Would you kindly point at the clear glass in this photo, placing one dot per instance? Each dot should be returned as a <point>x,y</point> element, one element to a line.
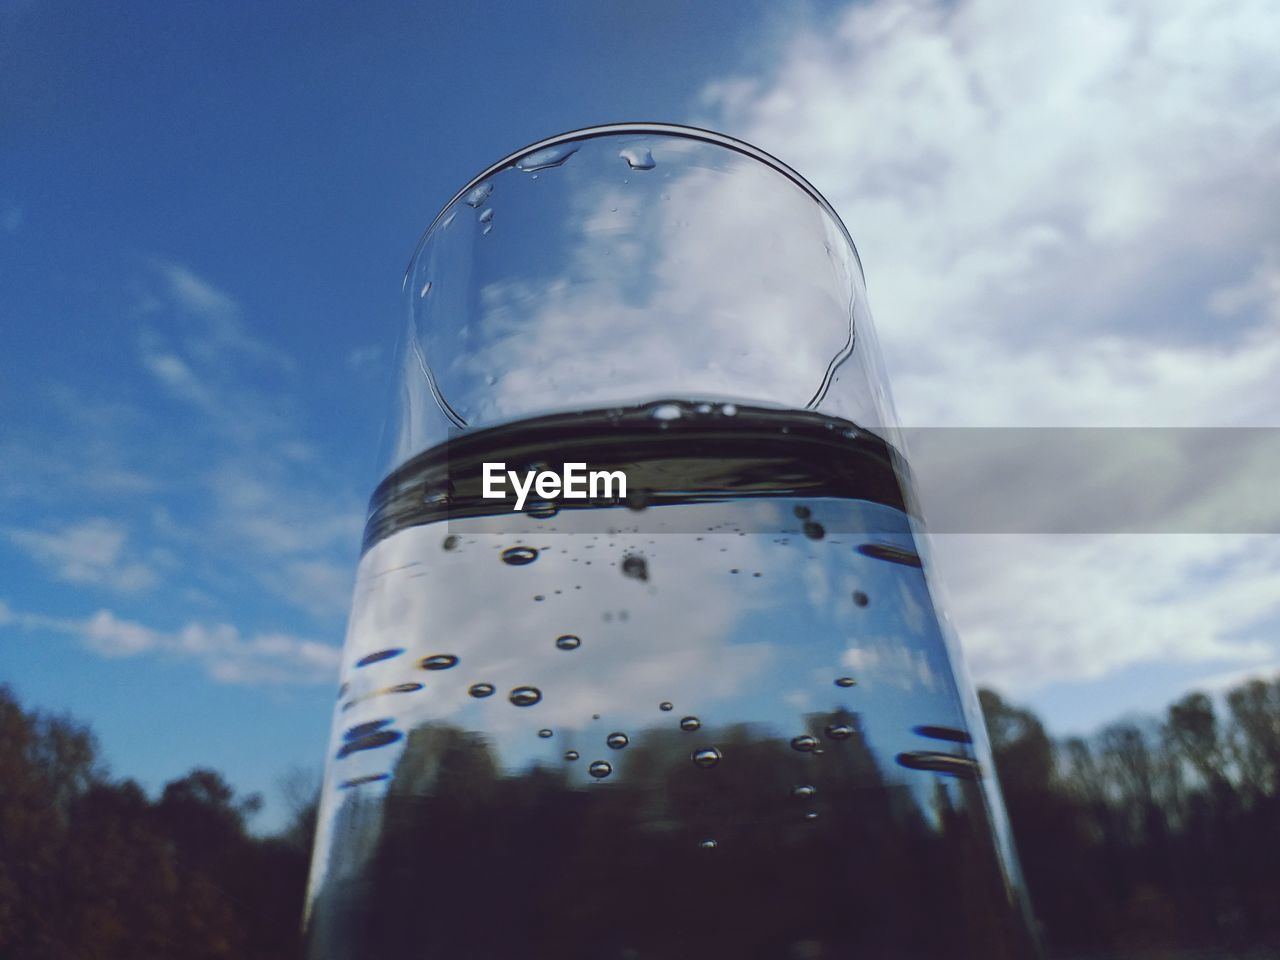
<point>718,716</point>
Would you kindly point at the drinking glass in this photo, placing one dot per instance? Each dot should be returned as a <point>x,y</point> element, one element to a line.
<point>715,713</point>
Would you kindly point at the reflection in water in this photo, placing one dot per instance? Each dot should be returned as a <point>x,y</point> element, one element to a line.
<point>783,811</point>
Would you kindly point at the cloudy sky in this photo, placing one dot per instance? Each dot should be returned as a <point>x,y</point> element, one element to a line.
<point>1066,214</point>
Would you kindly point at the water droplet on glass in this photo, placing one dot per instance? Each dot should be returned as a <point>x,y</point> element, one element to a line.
<point>546,158</point>
<point>426,288</point>
<point>666,411</point>
<point>813,530</point>
<point>568,642</point>
<point>729,410</point>
<point>964,767</point>
<point>804,743</point>
<point>479,194</point>
<point>595,716</point>
<point>519,556</point>
<point>638,158</point>
<point>380,655</point>
<point>707,845</point>
<point>538,597</point>
<point>666,706</point>
<point>600,769</point>
<point>892,553</point>
<point>481,690</point>
<point>439,661</point>
<point>690,724</point>
<point>635,567</point>
<point>571,755</point>
<point>803,791</point>
<point>450,542</point>
<point>525,696</point>
<point>617,741</point>
<point>846,682</point>
<point>486,215</point>
<point>706,758</point>
<point>860,599</point>
<point>802,513</point>
<point>838,731</point>
<point>545,734</point>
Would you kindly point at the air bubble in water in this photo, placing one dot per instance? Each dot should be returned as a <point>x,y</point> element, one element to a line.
<point>479,194</point>
<point>426,288</point>
<point>846,682</point>
<point>438,491</point>
<point>811,815</point>
<point>804,791</point>
<point>729,410</point>
<point>617,741</point>
<point>571,755</point>
<point>804,743</point>
<point>838,731</point>
<point>450,542</point>
<point>546,158</point>
<point>600,769</point>
<point>860,599</point>
<point>891,552</point>
<point>690,724</point>
<point>635,566</point>
<point>964,767</point>
<point>639,498</point>
<point>706,758</point>
<point>481,690</point>
<point>371,742</point>
<point>542,510</point>
<point>439,661</point>
<point>519,556</point>
<point>364,729</point>
<point>943,733</point>
<point>638,158</point>
<point>813,530</point>
<point>666,411</point>
<point>708,845</point>
<point>545,734</point>
<point>802,513</point>
<point>666,706</point>
<point>378,656</point>
<point>568,642</point>
<point>525,696</point>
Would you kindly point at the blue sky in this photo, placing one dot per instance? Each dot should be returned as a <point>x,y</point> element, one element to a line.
<point>1066,218</point>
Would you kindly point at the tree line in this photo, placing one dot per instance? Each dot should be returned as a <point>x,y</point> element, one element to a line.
<point>1154,833</point>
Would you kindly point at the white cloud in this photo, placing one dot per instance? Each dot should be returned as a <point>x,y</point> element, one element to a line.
<point>93,552</point>
<point>217,328</point>
<point>1067,218</point>
<point>1034,610</point>
<point>1046,200</point>
<point>224,653</point>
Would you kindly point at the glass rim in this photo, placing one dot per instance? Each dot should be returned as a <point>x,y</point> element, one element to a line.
<point>640,129</point>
